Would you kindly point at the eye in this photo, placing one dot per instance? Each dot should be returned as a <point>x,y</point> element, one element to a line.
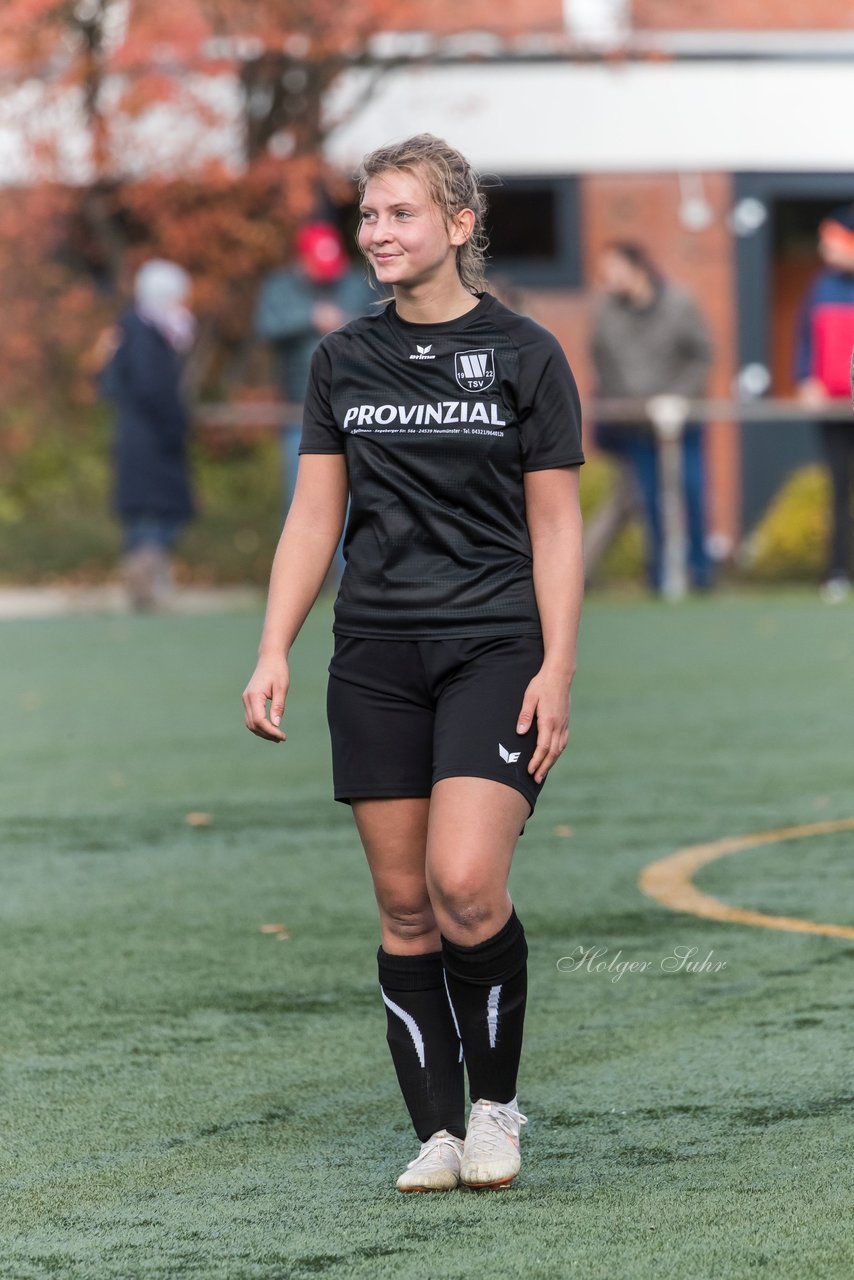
<point>403,213</point>
<point>368,215</point>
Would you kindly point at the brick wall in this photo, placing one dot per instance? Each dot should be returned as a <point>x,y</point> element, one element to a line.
<point>508,17</point>
<point>742,15</point>
<point>518,16</point>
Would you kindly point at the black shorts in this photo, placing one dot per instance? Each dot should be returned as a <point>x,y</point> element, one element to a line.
<point>405,713</point>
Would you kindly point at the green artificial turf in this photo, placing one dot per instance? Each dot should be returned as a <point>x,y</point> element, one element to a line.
<point>185,1095</point>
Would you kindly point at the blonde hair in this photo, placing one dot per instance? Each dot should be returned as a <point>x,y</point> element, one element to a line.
<point>452,185</point>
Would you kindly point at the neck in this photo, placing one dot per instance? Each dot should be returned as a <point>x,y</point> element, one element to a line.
<point>432,304</point>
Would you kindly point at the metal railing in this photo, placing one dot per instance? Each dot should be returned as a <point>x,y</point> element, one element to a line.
<point>667,415</point>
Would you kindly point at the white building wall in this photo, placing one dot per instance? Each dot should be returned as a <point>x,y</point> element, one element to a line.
<point>574,118</point>
<point>510,118</point>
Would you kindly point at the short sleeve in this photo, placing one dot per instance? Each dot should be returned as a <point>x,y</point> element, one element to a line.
<point>320,433</point>
<point>549,407</point>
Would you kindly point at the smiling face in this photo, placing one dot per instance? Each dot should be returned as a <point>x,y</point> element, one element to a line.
<point>404,234</point>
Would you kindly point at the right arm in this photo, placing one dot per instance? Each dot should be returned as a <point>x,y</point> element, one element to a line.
<point>300,565</point>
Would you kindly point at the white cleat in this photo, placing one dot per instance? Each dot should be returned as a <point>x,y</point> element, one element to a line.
<point>491,1154</point>
<point>437,1165</point>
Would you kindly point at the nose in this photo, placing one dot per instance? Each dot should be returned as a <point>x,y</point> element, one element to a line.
<point>381,230</point>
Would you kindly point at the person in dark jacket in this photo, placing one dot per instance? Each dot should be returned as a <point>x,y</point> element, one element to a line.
<point>152,493</point>
<point>822,370</point>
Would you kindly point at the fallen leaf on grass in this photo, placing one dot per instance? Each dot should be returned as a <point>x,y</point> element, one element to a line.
<point>196,819</point>
<point>278,929</point>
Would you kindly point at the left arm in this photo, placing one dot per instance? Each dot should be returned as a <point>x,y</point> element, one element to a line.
<point>554,525</point>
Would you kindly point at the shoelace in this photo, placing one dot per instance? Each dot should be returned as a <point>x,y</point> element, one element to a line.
<point>505,1118</point>
<point>433,1145</point>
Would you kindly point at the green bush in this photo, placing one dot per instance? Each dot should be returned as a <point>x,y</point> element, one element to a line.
<point>56,523</point>
<point>624,560</point>
<point>790,542</point>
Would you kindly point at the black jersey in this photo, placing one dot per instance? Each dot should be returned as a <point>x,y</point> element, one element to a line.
<point>438,423</point>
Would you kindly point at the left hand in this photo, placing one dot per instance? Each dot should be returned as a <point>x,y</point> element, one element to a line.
<point>547,696</point>
<point>811,392</point>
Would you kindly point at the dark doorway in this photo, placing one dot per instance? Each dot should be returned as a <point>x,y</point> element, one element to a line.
<point>776,260</point>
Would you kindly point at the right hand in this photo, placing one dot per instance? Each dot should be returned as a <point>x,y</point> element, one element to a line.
<point>269,683</point>
<point>102,351</point>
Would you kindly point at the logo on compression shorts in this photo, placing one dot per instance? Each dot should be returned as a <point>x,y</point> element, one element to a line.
<point>475,370</point>
<point>423,353</point>
<point>509,757</point>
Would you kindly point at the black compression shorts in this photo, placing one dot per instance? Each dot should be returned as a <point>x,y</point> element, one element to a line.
<point>404,714</point>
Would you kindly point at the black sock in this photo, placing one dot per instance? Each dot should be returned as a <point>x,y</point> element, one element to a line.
<point>488,987</point>
<point>425,1046</point>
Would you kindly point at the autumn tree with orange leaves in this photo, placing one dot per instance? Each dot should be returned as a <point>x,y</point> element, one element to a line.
<point>191,130</point>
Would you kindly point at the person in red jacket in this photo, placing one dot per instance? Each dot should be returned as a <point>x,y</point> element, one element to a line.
<point>823,371</point>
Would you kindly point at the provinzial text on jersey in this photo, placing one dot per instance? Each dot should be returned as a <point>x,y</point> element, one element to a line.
<point>442,411</point>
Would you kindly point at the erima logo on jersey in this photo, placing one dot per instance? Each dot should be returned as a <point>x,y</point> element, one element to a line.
<point>475,370</point>
<point>423,353</point>
<point>509,757</point>
<point>444,412</point>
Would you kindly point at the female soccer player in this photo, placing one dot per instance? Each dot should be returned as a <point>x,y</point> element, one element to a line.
<point>454,426</point>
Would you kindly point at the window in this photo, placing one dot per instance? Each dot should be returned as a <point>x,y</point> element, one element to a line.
<point>534,231</point>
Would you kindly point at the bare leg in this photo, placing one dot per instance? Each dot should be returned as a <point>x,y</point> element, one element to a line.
<point>473,828</point>
<point>421,1033</point>
<point>474,824</point>
<point>394,836</point>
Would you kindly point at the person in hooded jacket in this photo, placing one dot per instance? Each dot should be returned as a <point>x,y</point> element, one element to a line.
<point>152,490</point>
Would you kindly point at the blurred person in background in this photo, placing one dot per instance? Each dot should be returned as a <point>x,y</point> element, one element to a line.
<point>825,340</point>
<point>297,306</point>
<point>649,339</point>
<point>152,494</point>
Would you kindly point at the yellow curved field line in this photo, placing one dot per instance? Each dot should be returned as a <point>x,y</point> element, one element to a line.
<point>669,880</point>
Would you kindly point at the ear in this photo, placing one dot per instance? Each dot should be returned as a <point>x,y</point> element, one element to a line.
<point>462,225</point>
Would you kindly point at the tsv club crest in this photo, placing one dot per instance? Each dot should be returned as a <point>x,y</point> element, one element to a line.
<point>475,370</point>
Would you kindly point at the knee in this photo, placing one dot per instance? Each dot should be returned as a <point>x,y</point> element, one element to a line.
<point>407,920</point>
<point>465,907</point>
